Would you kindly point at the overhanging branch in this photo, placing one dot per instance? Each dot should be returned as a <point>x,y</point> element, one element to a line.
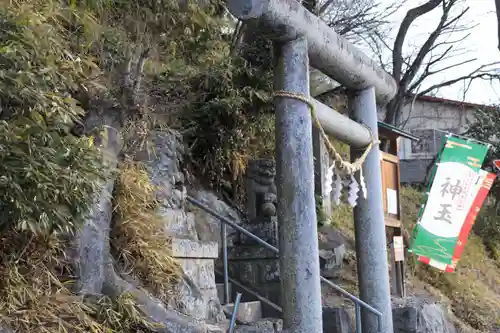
<point>412,15</point>
<point>479,73</point>
<point>431,40</point>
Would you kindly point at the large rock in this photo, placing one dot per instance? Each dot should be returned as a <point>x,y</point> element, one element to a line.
<point>208,227</point>
<point>163,158</point>
<point>421,316</point>
<point>197,297</point>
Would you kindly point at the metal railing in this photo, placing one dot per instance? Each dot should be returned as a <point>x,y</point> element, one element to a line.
<point>225,222</point>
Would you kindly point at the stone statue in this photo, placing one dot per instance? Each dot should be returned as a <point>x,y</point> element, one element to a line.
<point>261,189</point>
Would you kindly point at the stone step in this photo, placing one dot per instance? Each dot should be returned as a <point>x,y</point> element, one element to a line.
<point>220,292</point>
<point>248,312</point>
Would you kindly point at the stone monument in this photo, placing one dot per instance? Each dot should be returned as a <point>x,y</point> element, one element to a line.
<point>250,262</point>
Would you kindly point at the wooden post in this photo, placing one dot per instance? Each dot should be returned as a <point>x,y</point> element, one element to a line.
<point>321,165</point>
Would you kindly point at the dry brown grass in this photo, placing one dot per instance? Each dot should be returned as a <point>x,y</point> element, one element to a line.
<point>138,235</point>
<point>36,276</point>
<point>35,292</point>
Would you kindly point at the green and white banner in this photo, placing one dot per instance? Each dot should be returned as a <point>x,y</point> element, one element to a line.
<point>449,198</point>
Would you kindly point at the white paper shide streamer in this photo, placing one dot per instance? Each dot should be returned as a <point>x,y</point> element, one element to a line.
<point>337,190</point>
<point>352,199</point>
<point>335,181</point>
<point>329,180</point>
<point>364,192</point>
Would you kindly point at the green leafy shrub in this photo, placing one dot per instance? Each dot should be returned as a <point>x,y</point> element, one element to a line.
<point>47,175</point>
<point>486,128</point>
<point>487,226</point>
<point>228,118</point>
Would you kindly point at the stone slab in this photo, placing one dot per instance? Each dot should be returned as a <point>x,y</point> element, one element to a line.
<point>248,312</point>
<point>265,230</point>
<point>178,223</point>
<point>187,248</point>
<point>200,271</point>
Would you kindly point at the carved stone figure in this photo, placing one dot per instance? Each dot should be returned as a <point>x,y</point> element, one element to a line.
<point>261,201</point>
<point>261,189</point>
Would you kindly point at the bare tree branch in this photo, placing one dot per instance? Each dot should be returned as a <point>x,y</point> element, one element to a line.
<point>410,17</point>
<point>356,19</point>
<point>428,72</point>
<point>431,40</point>
<point>481,73</point>
<point>497,5</point>
<point>440,47</point>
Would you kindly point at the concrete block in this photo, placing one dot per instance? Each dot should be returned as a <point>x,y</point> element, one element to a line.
<point>187,248</point>
<point>405,319</point>
<point>248,312</point>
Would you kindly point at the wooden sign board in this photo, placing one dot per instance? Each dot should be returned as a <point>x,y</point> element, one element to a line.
<point>391,189</point>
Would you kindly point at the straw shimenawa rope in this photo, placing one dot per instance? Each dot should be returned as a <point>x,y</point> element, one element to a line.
<point>349,168</point>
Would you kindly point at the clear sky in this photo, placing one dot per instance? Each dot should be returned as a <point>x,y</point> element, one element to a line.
<point>481,44</point>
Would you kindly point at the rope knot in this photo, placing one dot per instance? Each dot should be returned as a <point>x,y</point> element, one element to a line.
<point>344,166</point>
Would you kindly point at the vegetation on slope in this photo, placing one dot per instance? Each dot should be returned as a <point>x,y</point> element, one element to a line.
<point>62,62</point>
<point>58,62</point>
<point>472,291</point>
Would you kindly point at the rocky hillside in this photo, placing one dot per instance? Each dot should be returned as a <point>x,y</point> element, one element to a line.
<point>87,89</point>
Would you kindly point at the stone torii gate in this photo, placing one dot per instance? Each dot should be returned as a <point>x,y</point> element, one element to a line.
<point>303,39</point>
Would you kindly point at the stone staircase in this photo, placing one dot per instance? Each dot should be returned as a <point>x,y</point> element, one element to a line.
<point>201,296</point>
<point>256,313</point>
<point>253,272</point>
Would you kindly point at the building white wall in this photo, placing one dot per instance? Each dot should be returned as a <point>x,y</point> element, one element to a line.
<point>430,121</point>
